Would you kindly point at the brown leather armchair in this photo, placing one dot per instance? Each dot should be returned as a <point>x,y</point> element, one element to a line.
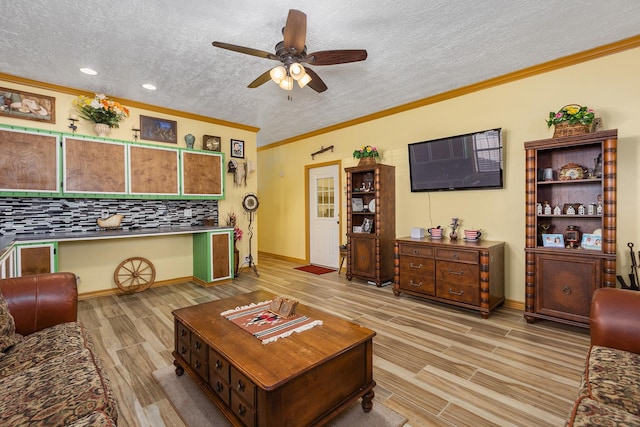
<point>40,301</point>
<point>615,319</point>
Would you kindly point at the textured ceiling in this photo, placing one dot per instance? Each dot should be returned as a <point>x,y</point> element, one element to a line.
<point>417,48</point>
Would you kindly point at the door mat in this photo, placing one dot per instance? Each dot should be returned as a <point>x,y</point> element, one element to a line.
<point>315,269</point>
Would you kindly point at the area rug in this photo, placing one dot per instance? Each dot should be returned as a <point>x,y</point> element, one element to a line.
<point>315,269</point>
<point>196,410</point>
<point>265,325</point>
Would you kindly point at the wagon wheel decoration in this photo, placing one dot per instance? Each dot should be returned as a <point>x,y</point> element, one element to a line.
<point>134,274</point>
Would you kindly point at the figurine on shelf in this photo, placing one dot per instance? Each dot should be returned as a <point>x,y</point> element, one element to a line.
<point>454,226</point>
<point>557,210</point>
<point>547,208</point>
<point>539,208</point>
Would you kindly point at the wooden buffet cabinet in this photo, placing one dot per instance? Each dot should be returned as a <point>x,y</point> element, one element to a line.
<point>465,274</point>
<point>560,281</point>
<point>371,222</point>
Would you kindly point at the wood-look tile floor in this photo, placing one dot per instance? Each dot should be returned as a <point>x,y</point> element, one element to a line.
<point>437,365</point>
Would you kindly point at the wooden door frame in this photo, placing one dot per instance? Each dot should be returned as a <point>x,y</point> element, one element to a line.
<point>307,201</point>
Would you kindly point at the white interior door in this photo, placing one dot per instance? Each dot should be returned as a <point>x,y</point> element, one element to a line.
<point>324,230</point>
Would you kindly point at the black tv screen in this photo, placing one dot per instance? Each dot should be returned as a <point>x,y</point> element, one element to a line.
<point>463,162</point>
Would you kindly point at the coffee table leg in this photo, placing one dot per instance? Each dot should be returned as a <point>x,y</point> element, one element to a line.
<point>367,401</point>
<point>180,369</point>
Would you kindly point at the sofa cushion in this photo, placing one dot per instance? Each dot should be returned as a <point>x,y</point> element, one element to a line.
<point>8,336</point>
<point>589,412</point>
<point>59,391</point>
<point>44,345</point>
<point>612,377</point>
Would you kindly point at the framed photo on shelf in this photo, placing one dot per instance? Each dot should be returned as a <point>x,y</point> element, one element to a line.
<point>357,204</point>
<point>211,143</point>
<point>237,148</point>
<point>27,106</point>
<point>160,130</point>
<point>591,241</point>
<point>553,241</point>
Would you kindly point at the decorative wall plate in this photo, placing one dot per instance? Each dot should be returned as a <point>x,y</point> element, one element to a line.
<point>571,171</point>
<point>372,205</point>
<point>250,202</point>
<point>357,205</point>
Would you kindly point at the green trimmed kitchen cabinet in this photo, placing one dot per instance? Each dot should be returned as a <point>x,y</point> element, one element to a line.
<point>213,256</point>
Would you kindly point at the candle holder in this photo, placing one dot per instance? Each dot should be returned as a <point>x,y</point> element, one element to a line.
<point>72,125</point>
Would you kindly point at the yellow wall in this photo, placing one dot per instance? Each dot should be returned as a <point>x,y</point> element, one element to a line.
<point>96,261</point>
<point>608,84</point>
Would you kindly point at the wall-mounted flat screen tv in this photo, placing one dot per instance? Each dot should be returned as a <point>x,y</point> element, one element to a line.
<point>465,162</point>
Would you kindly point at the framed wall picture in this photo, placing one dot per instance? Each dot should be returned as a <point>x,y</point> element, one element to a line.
<point>211,143</point>
<point>237,148</point>
<point>27,105</point>
<point>591,241</point>
<point>161,130</point>
<point>553,241</point>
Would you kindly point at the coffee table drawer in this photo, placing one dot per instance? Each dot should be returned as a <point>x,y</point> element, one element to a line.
<point>198,348</point>
<point>241,385</point>
<point>221,387</point>
<point>200,366</point>
<point>246,413</point>
<point>218,365</point>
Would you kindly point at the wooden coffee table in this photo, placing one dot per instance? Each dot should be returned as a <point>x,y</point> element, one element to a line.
<point>301,380</point>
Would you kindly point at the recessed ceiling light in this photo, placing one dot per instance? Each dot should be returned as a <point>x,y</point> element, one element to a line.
<point>88,71</point>
<point>149,86</point>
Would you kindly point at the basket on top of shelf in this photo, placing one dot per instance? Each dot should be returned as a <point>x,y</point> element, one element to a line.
<point>572,119</point>
<point>366,155</point>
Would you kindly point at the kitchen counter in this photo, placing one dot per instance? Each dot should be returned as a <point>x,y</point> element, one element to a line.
<point>7,242</point>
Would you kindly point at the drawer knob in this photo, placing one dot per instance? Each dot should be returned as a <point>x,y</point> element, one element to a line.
<point>452,292</point>
<point>455,256</point>
<point>416,252</point>
<point>218,365</point>
<point>183,350</point>
<point>363,257</point>
<point>240,385</point>
<point>198,345</point>
<point>219,387</point>
<point>566,290</point>
<point>242,410</point>
<point>184,333</point>
<point>198,364</point>
<point>459,273</point>
<point>412,265</point>
<point>412,283</point>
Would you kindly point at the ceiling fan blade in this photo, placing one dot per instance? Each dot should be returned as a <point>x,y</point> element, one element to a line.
<point>246,50</point>
<point>330,57</point>
<point>262,79</point>
<point>295,31</point>
<point>316,82</point>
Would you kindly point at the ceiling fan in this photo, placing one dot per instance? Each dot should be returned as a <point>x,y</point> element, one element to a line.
<point>292,53</point>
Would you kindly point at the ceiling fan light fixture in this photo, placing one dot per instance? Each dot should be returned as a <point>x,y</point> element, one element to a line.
<point>304,80</point>
<point>297,71</point>
<point>287,83</point>
<point>278,74</point>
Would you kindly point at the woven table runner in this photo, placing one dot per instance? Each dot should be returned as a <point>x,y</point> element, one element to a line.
<point>266,326</point>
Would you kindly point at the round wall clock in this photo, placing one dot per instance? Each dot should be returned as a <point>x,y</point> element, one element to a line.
<point>250,202</point>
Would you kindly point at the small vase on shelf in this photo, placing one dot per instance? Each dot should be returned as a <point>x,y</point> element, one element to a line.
<point>190,140</point>
<point>102,129</point>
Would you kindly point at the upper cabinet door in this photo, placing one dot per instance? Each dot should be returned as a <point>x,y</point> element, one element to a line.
<point>202,174</point>
<point>153,171</point>
<point>94,167</point>
<point>29,162</point>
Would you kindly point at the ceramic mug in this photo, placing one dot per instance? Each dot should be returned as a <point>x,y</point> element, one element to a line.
<point>435,231</point>
<point>472,234</point>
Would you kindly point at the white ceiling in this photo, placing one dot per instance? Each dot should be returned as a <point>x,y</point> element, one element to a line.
<point>417,48</point>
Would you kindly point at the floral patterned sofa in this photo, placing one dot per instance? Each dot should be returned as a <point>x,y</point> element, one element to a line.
<point>49,372</point>
<point>609,394</point>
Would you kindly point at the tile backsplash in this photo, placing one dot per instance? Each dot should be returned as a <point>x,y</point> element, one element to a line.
<point>24,215</point>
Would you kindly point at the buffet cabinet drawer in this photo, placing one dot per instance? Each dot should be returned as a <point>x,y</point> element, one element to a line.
<point>417,275</point>
<point>456,272</point>
<point>183,342</point>
<point>457,255</point>
<point>416,250</point>
<point>460,292</point>
<point>220,387</point>
<point>200,366</point>
<point>218,365</point>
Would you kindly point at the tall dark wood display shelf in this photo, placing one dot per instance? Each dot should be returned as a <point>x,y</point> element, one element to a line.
<point>371,212</point>
<point>560,281</point>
